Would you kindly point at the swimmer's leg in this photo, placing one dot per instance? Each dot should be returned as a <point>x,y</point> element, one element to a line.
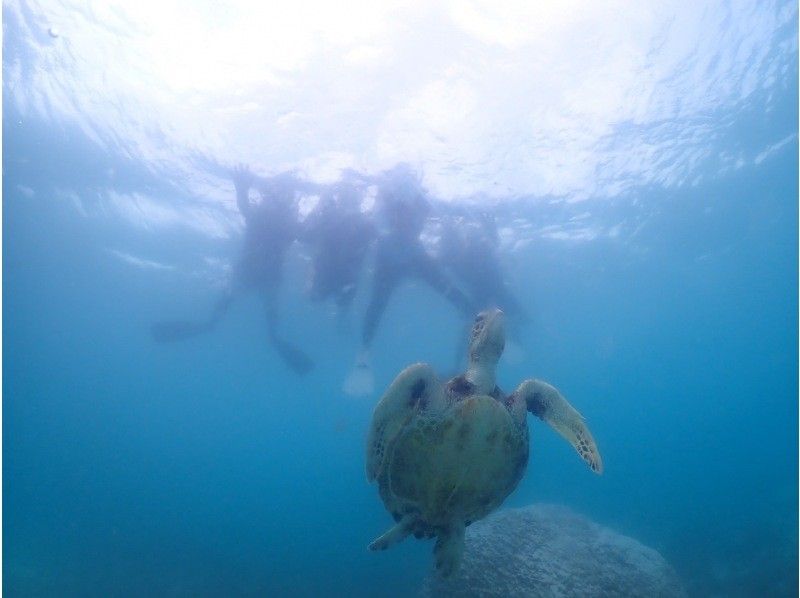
<point>428,270</point>
<point>176,330</point>
<point>344,300</point>
<point>360,381</point>
<point>294,357</point>
<point>383,286</point>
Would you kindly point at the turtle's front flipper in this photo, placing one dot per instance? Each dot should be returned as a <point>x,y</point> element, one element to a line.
<point>449,549</point>
<point>416,388</point>
<point>546,403</point>
<point>396,534</point>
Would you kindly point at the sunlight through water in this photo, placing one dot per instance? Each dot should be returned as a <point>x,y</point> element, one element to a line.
<point>567,100</point>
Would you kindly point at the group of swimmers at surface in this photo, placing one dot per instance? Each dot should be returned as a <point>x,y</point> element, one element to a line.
<point>340,235</point>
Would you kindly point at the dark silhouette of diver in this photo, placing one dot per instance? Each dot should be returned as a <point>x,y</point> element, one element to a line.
<point>468,250</point>
<point>340,235</point>
<point>399,255</point>
<point>271,226</point>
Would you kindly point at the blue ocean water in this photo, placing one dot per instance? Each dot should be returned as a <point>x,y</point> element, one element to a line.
<point>662,287</point>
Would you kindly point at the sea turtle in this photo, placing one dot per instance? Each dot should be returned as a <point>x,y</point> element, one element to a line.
<point>445,456</point>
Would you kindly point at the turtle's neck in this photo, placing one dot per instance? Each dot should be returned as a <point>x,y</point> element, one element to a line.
<point>482,375</point>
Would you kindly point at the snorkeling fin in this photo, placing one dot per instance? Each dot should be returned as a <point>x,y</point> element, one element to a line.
<point>297,360</point>
<point>360,381</point>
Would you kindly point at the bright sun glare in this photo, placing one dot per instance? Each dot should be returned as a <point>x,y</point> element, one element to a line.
<point>572,100</point>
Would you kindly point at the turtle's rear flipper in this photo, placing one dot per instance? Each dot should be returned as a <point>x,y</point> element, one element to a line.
<point>396,534</point>
<point>177,330</point>
<point>546,403</point>
<point>449,549</point>
<point>297,360</point>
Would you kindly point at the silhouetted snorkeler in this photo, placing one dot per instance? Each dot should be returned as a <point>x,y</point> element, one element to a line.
<point>271,226</point>
<point>400,255</point>
<point>468,249</point>
<point>340,235</point>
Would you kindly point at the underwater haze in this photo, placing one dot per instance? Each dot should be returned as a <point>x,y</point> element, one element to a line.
<point>640,161</point>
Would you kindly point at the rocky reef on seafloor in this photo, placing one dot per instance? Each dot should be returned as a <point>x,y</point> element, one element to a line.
<point>550,551</point>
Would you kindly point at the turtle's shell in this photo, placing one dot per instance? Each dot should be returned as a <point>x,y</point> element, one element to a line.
<point>457,464</point>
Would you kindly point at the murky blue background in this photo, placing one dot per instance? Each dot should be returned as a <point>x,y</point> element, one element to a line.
<point>651,231</point>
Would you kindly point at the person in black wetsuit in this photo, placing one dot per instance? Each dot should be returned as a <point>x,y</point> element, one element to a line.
<point>400,255</point>
<point>468,250</point>
<point>340,235</point>
<point>271,226</point>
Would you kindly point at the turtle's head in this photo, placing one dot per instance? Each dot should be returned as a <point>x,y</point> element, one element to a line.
<point>486,343</point>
